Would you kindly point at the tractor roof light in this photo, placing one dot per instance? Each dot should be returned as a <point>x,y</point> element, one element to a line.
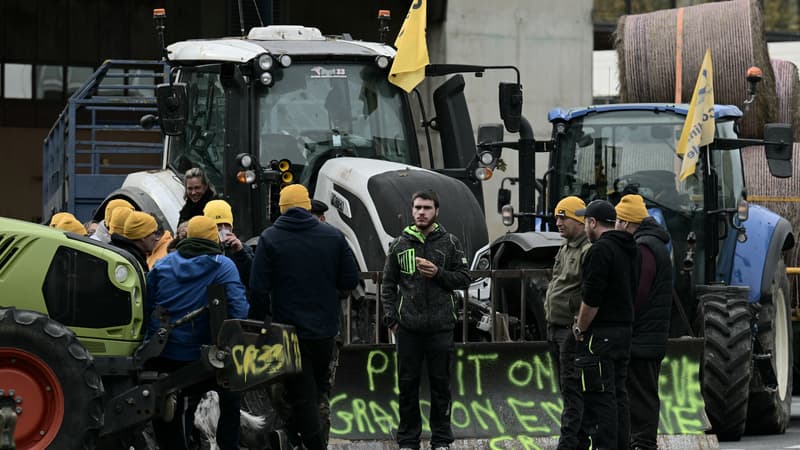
<point>265,62</point>
<point>483,173</point>
<point>507,214</point>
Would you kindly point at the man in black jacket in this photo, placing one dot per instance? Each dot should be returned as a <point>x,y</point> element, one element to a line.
<point>425,264</point>
<point>298,268</point>
<point>651,325</point>
<point>603,327</point>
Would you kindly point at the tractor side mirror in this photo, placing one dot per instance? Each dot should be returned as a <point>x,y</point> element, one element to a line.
<point>511,105</point>
<point>778,149</point>
<point>173,107</point>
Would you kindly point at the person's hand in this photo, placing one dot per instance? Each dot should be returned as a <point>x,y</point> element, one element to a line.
<point>426,268</point>
<point>233,242</point>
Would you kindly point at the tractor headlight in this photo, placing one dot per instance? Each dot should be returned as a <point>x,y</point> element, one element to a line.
<point>121,274</point>
<point>507,213</point>
<point>245,160</point>
<point>743,210</point>
<point>487,158</point>
<point>266,78</point>
<point>265,62</point>
<point>285,60</point>
<point>483,173</point>
<point>382,62</point>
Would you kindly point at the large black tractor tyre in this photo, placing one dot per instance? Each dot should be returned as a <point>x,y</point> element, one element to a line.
<point>726,367</point>
<point>56,386</point>
<point>769,410</point>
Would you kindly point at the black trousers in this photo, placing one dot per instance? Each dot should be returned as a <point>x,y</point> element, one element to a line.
<point>178,433</point>
<point>602,359</point>
<point>643,394</point>
<point>305,390</point>
<point>435,350</point>
<point>562,347</point>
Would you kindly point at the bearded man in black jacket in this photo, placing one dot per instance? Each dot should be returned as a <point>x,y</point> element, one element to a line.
<point>603,327</point>
<point>651,324</point>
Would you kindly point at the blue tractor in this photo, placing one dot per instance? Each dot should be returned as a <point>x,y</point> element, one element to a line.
<point>731,285</point>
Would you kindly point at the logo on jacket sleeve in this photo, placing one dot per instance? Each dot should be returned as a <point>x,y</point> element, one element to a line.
<point>407,261</point>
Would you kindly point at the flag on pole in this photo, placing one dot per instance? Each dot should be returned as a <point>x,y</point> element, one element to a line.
<point>408,68</point>
<point>698,129</point>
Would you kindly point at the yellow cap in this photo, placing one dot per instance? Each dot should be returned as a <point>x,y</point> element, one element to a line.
<point>116,225</point>
<point>219,211</point>
<point>202,227</point>
<point>114,204</point>
<point>631,209</point>
<point>139,225</point>
<point>67,222</point>
<point>293,196</point>
<point>567,207</point>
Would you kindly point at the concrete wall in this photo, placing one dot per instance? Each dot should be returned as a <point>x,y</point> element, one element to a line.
<point>551,44</point>
<point>21,183</point>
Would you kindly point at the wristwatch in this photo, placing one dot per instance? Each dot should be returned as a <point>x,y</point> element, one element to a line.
<point>576,330</point>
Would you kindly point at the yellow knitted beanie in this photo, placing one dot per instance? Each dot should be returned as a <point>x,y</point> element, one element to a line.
<point>631,209</point>
<point>139,225</point>
<point>294,195</point>
<point>219,211</point>
<point>567,207</point>
<point>203,228</point>
<point>114,204</point>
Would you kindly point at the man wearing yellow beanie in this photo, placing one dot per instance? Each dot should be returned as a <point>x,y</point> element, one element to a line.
<point>116,224</point>
<point>179,283</point>
<point>103,233</point>
<point>561,304</point>
<point>67,222</point>
<point>221,213</point>
<point>298,266</point>
<point>139,235</point>
<point>652,305</point>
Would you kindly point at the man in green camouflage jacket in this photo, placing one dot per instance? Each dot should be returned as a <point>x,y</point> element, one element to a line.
<point>425,264</point>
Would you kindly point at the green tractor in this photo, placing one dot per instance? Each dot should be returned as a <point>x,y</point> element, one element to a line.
<point>72,347</point>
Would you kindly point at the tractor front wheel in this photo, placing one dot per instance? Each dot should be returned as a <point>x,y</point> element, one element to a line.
<point>771,386</point>
<point>51,378</point>
<point>727,358</point>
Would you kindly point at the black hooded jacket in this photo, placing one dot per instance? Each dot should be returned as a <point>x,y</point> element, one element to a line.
<point>191,209</point>
<point>120,241</point>
<point>651,326</point>
<point>610,276</point>
<point>298,266</point>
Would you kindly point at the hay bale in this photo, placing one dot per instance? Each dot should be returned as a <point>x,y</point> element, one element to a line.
<point>787,88</point>
<point>646,47</point>
<point>781,195</point>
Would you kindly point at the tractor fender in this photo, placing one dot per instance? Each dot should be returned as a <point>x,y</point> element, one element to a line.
<point>768,235</point>
<point>534,244</point>
<point>156,192</point>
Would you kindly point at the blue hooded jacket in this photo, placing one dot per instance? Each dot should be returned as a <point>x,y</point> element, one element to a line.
<point>298,267</point>
<point>180,285</point>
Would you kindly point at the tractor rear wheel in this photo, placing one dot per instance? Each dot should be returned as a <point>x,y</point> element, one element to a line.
<point>771,387</point>
<point>726,367</point>
<point>57,390</point>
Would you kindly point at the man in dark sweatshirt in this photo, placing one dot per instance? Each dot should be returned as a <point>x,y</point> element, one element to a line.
<point>651,307</point>
<point>603,326</point>
<point>298,268</point>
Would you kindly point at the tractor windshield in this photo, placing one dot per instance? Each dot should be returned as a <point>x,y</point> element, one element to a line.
<point>614,153</point>
<point>315,112</point>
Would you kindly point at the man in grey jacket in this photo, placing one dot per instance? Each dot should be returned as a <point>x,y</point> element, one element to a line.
<point>425,264</point>
<point>561,304</point>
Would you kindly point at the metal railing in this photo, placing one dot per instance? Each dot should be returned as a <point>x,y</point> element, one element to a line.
<point>467,303</point>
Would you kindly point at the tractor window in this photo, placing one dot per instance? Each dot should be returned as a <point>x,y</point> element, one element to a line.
<point>203,143</point>
<point>78,292</point>
<point>612,154</point>
<point>728,166</point>
<point>315,112</point>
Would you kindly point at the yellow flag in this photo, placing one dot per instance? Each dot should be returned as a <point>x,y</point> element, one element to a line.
<point>698,129</point>
<point>408,68</point>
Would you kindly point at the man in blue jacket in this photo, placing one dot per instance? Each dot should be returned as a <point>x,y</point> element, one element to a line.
<point>179,283</point>
<point>298,266</point>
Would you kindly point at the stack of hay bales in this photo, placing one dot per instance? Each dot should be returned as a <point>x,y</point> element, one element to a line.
<point>646,47</point>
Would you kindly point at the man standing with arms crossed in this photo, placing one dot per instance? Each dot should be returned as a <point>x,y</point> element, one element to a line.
<point>603,327</point>
<point>651,307</point>
<point>561,307</point>
<point>425,264</point>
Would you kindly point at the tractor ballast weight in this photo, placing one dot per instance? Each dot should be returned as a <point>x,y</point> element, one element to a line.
<point>731,285</point>
<point>72,347</point>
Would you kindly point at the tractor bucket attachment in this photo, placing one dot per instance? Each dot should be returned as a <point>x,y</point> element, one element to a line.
<point>257,355</point>
<point>501,391</point>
